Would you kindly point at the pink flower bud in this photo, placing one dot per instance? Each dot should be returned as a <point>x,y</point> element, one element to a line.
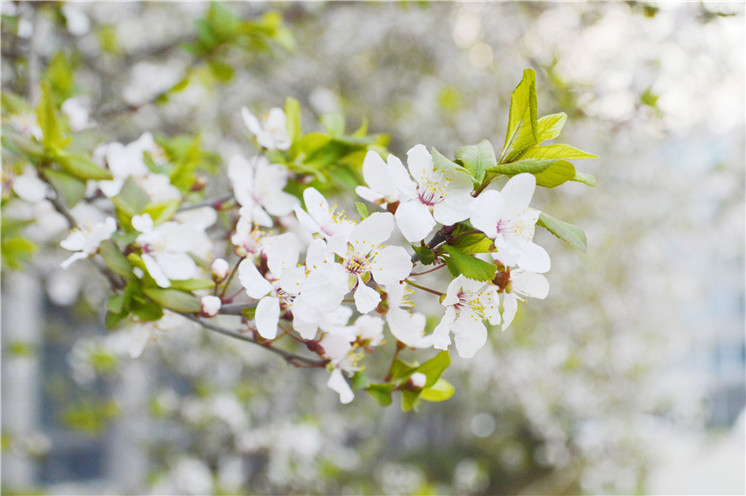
<point>211,305</point>
<point>418,380</point>
<point>220,269</point>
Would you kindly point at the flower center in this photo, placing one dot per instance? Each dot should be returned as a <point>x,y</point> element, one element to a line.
<point>357,264</point>
<point>433,189</point>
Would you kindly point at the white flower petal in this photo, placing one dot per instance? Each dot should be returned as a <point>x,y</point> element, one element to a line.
<point>391,265</point>
<point>376,175</point>
<point>530,284</point>
<point>442,333</point>
<point>176,266</point>
<point>339,385</point>
<point>250,121</point>
<point>414,220</point>
<point>317,206</point>
<point>256,286</point>
<point>406,188</point>
<point>470,334</point>
<point>368,194</point>
<point>420,163</point>
<point>454,208</point>
<point>267,317</point>
<point>282,253</point>
<point>490,301</point>
<point>518,192</point>
<point>29,187</point>
<point>510,307</point>
<point>78,255</point>
<point>530,256</point>
<point>366,298</point>
<point>372,231</point>
<point>143,223</point>
<point>486,211</point>
<point>155,271</point>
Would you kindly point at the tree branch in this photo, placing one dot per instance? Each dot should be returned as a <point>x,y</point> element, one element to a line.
<point>290,357</point>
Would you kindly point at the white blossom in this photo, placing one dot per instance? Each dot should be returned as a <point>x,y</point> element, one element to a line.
<point>271,132</point>
<point>468,303</point>
<point>435,195</point>
<point>258,187</point>
<point>85,240</point>
<point>505,217</point>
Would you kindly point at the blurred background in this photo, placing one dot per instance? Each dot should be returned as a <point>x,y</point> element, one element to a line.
<point>627,379</point>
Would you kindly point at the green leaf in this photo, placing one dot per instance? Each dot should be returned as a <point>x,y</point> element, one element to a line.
<point>115,303</point>
<point>440,162</point>
<point>193,284</point>
<point>162,211</point>
<point>173,299</point>
<point>334,124</point>
<point>459,262</point>
<point>362,210</point>
<point>381,393</point>
<point>523,117</point>
<point>292,114</point>
<point>114,259</point>
<point>147,311</point>
<point>477,159</point>
<point>434,367</point>
<point>48,119</point>
<point>425,254</point>
<point>222,71</point>
<point>223,22</point>
<point>440,391</point>
<point>81,167</point>
<point>475,243</point>
<point>410,399</point>
<point>555,151</point>
<point>402,370</point>
<point>248,313</point>
<point>114,318</point>
<point>548,173</point>
<point>584,178</point>
<point>71,188</point>
<point>566,232</point>
<point>16,251</point>
<point>131,199</point>
<point>359,380</point>
<point>22,146</point>
<point>550,126</point>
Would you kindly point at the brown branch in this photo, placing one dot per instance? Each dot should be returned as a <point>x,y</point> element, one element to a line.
<point>290,357</point>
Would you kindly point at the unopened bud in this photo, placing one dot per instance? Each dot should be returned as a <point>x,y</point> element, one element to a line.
<point>220,269</point>
<point>211,305</point>
<point>418,380</point>
<point>240,251</point>
<point>199,183</point>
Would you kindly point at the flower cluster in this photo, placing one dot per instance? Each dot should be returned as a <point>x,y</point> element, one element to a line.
<point>296,268</point>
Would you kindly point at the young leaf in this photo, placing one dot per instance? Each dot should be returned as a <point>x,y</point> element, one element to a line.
<point>362,210</point>
<point>192,284</point>
<point>459,262</point>
<point>114,259</point>
<point>147,311</point>
<point>550,126</point>
<point>442,163</point>
<point>292,114</point>
<point>359,380</point>
<point>555,151</point>
<point>131,199</point>
<point>434,367</point>
<point>410,399</point>
<point>81,167</point>
<point>523,117</point>
<point>584,178</point>
<point>440,391</point>
<point>174,299</point>
<point>381,393</point>
<point>334,124</point>
<point>549,173</point>
<point>162,211</point>
<point>425,254</point>
<point>477,159</point>
<point>566,232</point>
<point>475,243</point>
<point>48,119</point>
<point>71,188</point>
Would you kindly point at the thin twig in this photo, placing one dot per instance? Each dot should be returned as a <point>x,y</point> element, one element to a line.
<point>427,271</point>
<point>423,288</point>
<point>288,356</point>
<point>207,203</point>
